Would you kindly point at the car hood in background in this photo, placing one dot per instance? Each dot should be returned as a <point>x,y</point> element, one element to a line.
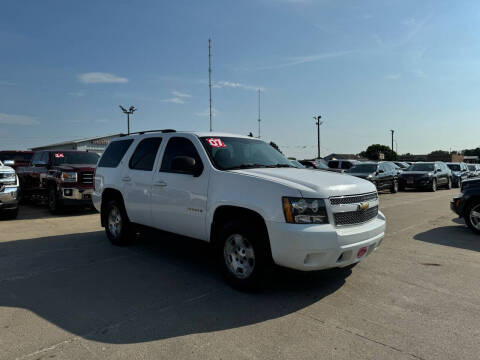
<point>76,167</point>
<point>321,184</point>
<point>6,169</point>
<point>361,175</point>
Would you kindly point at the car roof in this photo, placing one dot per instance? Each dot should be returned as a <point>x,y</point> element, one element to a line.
<point>176,133</point>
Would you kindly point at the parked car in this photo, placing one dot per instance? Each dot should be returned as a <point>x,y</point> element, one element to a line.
<point>402,165</point>
<point>15,158</point>
<point>467,204</point>
<point>459,173</point>
<point>241,195</point>
<point>297,164</point>
<point>383,174</point>
<point>426,175</point>
<point>62,178</point>
<point>473,170</point>
<point>8,192</point>
<point>317,165</point>
<point>343,164</point>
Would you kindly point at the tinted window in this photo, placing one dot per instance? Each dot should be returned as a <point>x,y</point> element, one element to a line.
<point>178,146</point>
<point>422,167</point>
<point>346,165</point>
<point>471,167</point>
<point>25,157</point>
<point>37,156</point>
<point>145,153</point>
<point>333,164</point>
<point>73,157</point>
<point>363,168</point>
<point>114,153</point>
<point>44,157</point>
<point>454,167</point>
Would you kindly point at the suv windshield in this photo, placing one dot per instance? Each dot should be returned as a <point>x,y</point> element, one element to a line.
<point>472,167</point>
<point>421,167</point>
<point>363,168</point>
<point>23,157</point>
<point>229,153</point>
<point>454,167</point>
<point>86,158</point>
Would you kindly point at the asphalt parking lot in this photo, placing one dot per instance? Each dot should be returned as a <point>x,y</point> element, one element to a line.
<point>66,293</point>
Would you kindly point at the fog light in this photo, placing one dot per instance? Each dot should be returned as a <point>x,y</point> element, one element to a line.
<point>362,252</point>
<point>67,192</point>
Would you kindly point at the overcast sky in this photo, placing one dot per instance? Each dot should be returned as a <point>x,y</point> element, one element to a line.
<point>365,66</point>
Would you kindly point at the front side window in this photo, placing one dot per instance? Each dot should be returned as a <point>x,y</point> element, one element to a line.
<point>114,153</point>
<point>363,169</point>
<point>70,157</point>
<point>333,164</point>
<point>346,165</point>
<point>144,156</point>
<point>454,167</point>
<point>230,153</point>
<point>178,146</point>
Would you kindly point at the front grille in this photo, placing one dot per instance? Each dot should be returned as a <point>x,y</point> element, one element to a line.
<point>87,178</point>
<point>6,175</point>
<point>353,199</point>
<point>355,217</point>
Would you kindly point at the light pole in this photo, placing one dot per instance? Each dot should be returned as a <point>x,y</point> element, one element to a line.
<point>318,122</point>
<point>129,112</point>
<point>392,131</point>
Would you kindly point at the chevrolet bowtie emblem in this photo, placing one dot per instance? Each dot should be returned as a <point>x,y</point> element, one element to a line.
<point>363,206</point>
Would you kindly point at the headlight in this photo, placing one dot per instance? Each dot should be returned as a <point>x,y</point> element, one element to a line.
<point>304,211</point>
<point>69,176</point>
<point>8,178</point>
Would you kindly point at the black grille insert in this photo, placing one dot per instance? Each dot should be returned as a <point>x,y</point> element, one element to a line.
<point>353,199</point>
<point>355,217</point>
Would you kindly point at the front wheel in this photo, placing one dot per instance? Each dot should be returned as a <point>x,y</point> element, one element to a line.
<point>449,184</point>
<point>434,185</point>
<point>54,203</point>
<point>244,255</point>
<point>472,216</point>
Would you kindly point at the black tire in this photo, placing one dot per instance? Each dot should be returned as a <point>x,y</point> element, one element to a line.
<point>54,203</point>
<point>474,205</point>
<point>255,240</point>
<point>118,228</point>
<point>401,187</point>
<point>394,188</point>
<point>433,188</point>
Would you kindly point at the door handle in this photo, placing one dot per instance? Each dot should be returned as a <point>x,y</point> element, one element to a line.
<point>160,183</point>
<point>126,178</point>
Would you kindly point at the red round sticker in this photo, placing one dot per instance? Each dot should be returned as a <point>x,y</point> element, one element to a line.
<point>217,143</point>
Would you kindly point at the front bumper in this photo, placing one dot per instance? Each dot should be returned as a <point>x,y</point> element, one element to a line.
<point>75,195</point>
<point>8,198</point>
<point>315,247</point>
<point>457,205</point>
<point>417,183</point>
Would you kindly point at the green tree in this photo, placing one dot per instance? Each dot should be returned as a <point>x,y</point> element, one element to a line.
<point>373,152</point>
<point>275,146</point>
<point>439,153</point>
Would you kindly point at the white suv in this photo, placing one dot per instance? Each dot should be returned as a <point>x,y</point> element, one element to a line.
<point>241,195</point>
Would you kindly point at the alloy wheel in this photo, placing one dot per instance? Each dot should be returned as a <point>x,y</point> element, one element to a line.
<point>475,216</point>
<point>114,221</point>
<point>239,256</point>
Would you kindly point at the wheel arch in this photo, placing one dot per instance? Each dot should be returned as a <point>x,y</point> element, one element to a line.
<point>109,194</point>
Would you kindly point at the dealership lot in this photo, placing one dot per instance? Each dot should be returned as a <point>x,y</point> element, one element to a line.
<point>65,293</point>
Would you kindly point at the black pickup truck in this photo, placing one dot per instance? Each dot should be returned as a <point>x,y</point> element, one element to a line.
<point>61,177</point>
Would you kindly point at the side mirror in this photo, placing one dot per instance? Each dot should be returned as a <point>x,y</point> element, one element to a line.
<point>9,162</point>
<point>438,170</point>
<point>186,165</point>
<point>380,171</point>
<point>40,163</point>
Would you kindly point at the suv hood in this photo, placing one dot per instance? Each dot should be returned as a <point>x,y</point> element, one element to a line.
<point>4,168</point>
<point>76,167</point>
<point>323,184</point>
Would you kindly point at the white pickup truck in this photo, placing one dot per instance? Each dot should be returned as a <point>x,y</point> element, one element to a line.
<point>241,195</point>
<point>8,192</point>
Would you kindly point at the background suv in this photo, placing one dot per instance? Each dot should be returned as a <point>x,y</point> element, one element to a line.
<point>384,174</point>
<point>426,175</point>
<point>459,173</point>
<point>342,164</point>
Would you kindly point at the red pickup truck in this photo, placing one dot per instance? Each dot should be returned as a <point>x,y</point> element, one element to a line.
<point>61,177</point>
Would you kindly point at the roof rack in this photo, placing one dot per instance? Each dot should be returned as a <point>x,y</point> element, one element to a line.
<point>150,131</point>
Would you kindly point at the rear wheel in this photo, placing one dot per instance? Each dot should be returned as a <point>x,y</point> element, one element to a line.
<point>117,226</point>
<point>472,216</point>
<point>394,188</point>
<point>10,214</point>
<point>244,255</point>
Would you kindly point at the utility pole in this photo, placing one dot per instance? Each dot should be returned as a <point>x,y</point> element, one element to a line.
<point>259,119</point>
<point>129,112</point>
<point>210,79</point>
<point>318,122</point>
<point>392,131</point>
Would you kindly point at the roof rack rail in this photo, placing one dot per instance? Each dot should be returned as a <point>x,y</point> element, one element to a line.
<point>150,131</point>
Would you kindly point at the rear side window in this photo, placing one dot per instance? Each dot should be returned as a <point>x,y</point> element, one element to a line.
<point>178,146</point>
<point>346,165</point>
<point>333,164</point>
<point>114,153</point>
<point>144,156</point>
